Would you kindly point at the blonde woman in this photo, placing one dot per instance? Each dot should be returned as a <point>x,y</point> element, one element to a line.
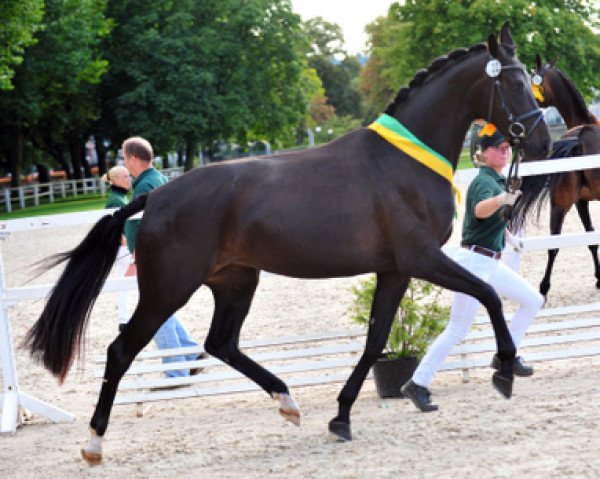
<point>119,179</point>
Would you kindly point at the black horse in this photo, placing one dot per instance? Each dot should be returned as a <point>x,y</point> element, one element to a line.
<point>358,204</point>
<point>554,88</point>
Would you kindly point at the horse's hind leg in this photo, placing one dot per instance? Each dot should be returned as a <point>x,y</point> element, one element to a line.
<point>233,289</point>
<point>583,208</point>
<point>557,217</point>
<point>386,299</point>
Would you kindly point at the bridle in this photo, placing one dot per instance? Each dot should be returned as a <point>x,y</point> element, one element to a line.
<point>517,133</point>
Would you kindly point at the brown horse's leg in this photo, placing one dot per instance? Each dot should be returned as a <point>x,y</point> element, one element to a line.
<point>436,267</point>
<point>557,217</point>
<point>583,208</point>
<point>233,289</point>
<point>388,293</point>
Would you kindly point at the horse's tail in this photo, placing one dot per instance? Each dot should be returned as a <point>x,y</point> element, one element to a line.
<point>58,332</point>
<point>539,188</point>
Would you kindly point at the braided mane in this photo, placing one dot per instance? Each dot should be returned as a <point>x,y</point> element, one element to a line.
<point>439,63</point>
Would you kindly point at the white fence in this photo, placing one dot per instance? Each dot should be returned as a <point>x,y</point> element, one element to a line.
<point>12,399</point>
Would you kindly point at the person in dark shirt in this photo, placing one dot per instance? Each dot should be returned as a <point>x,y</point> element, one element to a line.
<point>483,239</point>
<point>138,155</point>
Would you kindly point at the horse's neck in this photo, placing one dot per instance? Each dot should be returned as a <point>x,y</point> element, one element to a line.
<point>570,105</point>
<point>440,120</point>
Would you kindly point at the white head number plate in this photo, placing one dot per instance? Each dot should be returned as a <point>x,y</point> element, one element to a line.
<point>493,68</point>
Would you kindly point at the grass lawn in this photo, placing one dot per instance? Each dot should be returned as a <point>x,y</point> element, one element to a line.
<point>81,203</point>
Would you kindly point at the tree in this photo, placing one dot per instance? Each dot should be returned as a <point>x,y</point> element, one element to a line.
<point>418,31</point>
<point>199,71</point>
<point>20,19</point>
<point>339,77</point>
<point>54,99</point>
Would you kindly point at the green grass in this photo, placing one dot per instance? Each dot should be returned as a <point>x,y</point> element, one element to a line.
<point>71,205</point>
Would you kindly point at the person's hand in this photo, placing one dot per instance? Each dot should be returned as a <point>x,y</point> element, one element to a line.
<point>508,198</point>
<point>131,270</point>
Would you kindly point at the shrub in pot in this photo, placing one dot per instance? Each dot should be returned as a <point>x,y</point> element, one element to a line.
<point>419,320</point>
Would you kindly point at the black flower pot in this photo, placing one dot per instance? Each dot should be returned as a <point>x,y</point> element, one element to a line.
<point>391,374</point>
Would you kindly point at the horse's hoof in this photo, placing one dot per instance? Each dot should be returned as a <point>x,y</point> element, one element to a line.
<point>503,385</point>
<point>92,458</point>
<point>291,415</point>
<point>341,430</point>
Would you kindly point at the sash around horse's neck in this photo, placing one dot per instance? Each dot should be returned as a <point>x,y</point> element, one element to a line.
<point>398,135</point>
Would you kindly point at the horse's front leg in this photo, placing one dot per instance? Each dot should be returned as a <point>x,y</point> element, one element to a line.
<point>434,266</point>
<point>388,293</point>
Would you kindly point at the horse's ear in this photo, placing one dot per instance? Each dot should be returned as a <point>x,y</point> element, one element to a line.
<point>553,62</point>
<point>538,62</point>
<point>505,36</point>
<point>493,45</point>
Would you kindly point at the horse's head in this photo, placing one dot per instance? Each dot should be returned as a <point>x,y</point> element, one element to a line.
<point>542,82</point>
<point>552,87</point>
<point>511,104</point>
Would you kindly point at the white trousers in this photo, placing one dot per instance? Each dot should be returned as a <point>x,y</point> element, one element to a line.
<point>121,264</point>
<point>507,283</point>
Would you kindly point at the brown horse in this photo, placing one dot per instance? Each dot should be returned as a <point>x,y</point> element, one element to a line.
<point>358,204</point>
<point>566,189</point>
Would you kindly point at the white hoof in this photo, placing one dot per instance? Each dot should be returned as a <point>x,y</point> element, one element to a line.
<point>92,454</point>
<point>288,408</point>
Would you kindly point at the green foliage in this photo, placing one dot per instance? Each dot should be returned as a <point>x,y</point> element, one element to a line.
<point>419,320</point>
<point>340,77</point>
<point>415,32</point>
<point>19,20</point>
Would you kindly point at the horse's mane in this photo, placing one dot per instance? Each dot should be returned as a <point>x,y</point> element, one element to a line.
<point>454,56</point>
<point>580,101</point>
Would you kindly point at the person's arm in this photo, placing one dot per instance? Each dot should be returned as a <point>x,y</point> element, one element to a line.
<point>486,208</point>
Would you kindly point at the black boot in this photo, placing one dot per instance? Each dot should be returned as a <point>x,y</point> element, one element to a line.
<point>519,368</point>
<point>420,396</point>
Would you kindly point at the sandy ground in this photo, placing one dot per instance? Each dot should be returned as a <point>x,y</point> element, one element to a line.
<point>550,429</point>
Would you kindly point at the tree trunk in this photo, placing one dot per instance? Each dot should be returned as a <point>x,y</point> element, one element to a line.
<point>43,173</point>
<point>180,155</point>
<point>190,155</point>
<point>101,151</point>
<point>15,161</point>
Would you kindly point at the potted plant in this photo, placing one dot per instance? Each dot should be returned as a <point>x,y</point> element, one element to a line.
<point>419,320</point>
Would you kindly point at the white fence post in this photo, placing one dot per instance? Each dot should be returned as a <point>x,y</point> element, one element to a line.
<point>11,399</point>
<point>8,200</point>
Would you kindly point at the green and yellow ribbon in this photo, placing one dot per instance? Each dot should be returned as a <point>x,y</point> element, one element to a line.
<point>398,135</point>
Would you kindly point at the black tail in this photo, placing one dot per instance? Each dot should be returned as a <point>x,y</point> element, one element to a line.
<point>57,334</point>
<point>538,189</point>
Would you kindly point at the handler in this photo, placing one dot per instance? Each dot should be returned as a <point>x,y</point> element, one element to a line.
<point>483,238</point>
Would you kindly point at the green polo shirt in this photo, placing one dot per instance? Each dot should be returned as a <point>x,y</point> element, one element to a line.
<point>487,232</point>
<point>117,197</point>
<point>148,180</point>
